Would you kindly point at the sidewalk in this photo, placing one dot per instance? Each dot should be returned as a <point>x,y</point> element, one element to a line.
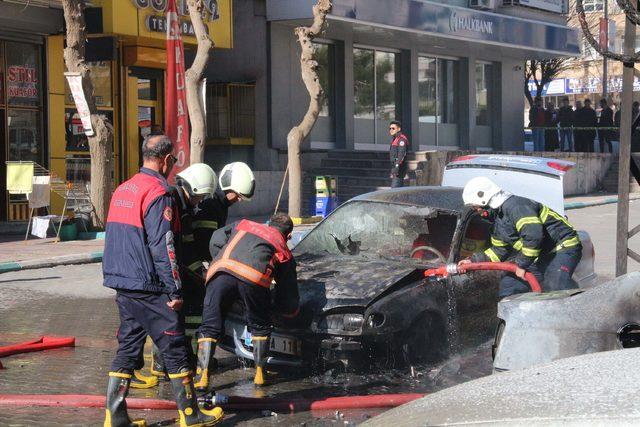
<point>17,254</point>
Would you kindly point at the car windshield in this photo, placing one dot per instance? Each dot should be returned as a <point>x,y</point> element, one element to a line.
<point>382,230</point>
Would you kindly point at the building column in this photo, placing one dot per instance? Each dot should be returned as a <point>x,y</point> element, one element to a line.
<point>511,89</point>
<point>413,94</point>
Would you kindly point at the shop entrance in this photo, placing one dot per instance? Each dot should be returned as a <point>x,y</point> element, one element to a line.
<point>145,111</point>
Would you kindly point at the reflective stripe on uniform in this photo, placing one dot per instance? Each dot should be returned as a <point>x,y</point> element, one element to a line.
<point>530,252</point>
<point>518,245</point>
<point>569,243</point>
<point>188,238</point>
<point>498,243</point>
<point>526,221</point>
<point>544,213</point>
<point>492,255</point>
<point>204,224</point>
<point>243,270</point>
<point>195,266</point>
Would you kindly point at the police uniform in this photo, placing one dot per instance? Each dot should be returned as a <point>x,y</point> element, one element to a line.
<point>542,241</point>
<point>397,155</point>
<point>140,263</point>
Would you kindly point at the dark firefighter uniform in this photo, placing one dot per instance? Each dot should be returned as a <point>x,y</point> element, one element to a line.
<point>397,155</point>
<point>140,264</point>
<point>247,256</point>
<point>542,241</point>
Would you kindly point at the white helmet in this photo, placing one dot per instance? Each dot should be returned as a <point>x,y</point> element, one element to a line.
<point>198,179</point>
<point>479,191</point>
<point>237,177</point>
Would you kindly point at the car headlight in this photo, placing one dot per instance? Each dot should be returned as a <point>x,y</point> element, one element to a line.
<point>349,322</point>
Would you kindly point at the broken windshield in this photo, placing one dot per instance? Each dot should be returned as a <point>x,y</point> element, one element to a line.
<point>382,230</point>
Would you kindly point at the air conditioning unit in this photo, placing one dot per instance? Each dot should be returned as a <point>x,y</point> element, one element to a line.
<point>483,4</point>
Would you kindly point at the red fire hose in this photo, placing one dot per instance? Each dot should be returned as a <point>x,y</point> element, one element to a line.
<point>445,270</point>
<point>42,343</point>
<point>233,403</point>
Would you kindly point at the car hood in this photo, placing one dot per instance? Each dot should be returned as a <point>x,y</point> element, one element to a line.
<point>327,282</point>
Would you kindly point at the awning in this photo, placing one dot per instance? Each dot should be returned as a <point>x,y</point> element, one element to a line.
<point>435,19</point>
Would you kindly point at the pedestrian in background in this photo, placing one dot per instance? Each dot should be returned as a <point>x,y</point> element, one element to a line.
<point>551,142</point>
<point>585,117</point>
<point>605,122</point>
<point>397,154</point>
<point>565,119</point>
<point>536,123</point>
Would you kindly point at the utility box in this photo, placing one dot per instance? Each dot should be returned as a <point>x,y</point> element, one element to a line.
<point>326,199</point>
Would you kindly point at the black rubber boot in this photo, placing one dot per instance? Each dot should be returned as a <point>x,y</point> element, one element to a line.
<point>185,393</point>
<point>206,350</point>
<point>260,352</point>
<point>116,412</point>
<point>157,364</point>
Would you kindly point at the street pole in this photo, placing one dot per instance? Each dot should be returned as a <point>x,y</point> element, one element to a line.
<point>605,62</point>
<point>622,237</point>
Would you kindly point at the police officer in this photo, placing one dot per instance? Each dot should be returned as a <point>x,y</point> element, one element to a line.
<point>397,154</point>
<point>140,264</point>
<point>246,257</point>
<point>542,241</point>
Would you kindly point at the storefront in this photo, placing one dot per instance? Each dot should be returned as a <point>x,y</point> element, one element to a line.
<point>126,53</point>
<point>23,106</point>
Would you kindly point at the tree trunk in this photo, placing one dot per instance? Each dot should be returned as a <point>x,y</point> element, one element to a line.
<point>101,143</point>
<point>193,77</point>
<point>311,81</point>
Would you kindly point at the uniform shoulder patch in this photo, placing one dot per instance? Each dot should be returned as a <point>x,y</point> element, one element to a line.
<point>401,143</point>
<point>168,213</point>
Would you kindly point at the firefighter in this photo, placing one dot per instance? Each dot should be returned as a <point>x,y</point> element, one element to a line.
<point>140,264</point>
<point>542,241</point>
<point>246,257</point>
<point>397,154</point>
<point>193,186</point>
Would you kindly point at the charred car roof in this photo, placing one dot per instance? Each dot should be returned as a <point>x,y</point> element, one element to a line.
<point>444,198</point>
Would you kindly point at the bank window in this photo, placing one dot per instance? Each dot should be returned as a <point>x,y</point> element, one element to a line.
<point>101,79</point>
<point>376,91</point>
<point>325,56</point>
<point>24,79</point>
<point>484,93</point>
<point>437,90</point>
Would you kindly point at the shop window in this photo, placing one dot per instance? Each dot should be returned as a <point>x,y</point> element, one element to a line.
<point>101,79</point>
<point>376,92</point>
<point>147,89</point>
<point>25,138</point>
<point>75,139</point>
<point>230,111</point>
<point>325,57</point>
<point>484,93</point>
<point>24,80</point>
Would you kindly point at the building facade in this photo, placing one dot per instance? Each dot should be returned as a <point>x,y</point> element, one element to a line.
<point>450,73</point>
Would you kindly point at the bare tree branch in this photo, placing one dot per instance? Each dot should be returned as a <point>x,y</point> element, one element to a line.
<point>311,81</point>
<point>101,143</point>
<point>193,77</point>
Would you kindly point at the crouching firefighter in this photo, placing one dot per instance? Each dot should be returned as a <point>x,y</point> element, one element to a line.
<point>247,256</point>
<point>140,263</point>
<point>542,241</point>
<point>194,184</point>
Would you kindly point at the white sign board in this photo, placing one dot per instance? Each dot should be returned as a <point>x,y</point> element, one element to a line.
<point>75,85</point>
<point>550,5</point>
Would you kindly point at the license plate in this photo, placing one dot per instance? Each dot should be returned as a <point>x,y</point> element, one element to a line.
<point>279,344</point>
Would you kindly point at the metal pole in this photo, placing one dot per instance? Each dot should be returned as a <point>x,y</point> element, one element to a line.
<point>622,238</point>
<point>605,62</point>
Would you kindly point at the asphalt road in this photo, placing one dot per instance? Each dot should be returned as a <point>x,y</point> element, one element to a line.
<point>70,300</point>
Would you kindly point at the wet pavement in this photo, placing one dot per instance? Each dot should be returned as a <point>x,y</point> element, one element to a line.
<point>69,300</point>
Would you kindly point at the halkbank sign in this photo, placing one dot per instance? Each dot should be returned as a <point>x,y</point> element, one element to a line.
<point>469,23</point>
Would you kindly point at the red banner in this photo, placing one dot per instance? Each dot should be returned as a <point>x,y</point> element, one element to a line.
<point>604,34</point>
<point>176,115</point>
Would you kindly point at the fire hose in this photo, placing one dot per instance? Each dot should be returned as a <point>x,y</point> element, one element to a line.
<point>233,403</point>
<point>453,269</point>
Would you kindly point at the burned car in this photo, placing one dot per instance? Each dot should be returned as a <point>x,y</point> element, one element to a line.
<point>363,295</point>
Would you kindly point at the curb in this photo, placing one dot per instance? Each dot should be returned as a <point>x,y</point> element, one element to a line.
<point>89,258</point>
<point>598,202</point>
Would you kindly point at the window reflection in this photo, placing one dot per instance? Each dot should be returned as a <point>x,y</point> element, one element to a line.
<point>484,79</point>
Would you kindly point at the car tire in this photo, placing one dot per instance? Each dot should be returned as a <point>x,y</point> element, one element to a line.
<point>424,341</point>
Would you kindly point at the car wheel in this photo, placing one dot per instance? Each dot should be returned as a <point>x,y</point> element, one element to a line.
<point>424,341</point>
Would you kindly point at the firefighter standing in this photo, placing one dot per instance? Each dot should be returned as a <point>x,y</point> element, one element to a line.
<point>140,264</point>
<point>246,257</point>
<point>542,241</point>
<point>398,154</point>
